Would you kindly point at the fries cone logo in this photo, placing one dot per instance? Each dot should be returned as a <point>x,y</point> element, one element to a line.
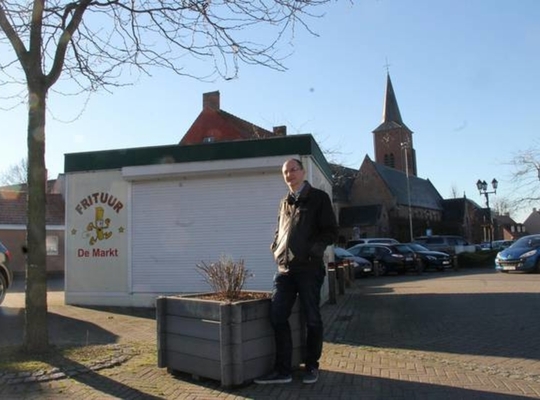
<point>99,228</point>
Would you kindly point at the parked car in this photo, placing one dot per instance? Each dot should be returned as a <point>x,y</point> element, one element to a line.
<point>361,266</point>
<point>501,244</point>
<point>484,246</point>
<point>354,242</point>
<point>444,243</point>
<point>430,259</point>
<point>6,275</point>
<point>390,257</point>
<point>522,255</point>
<point>495,245</point>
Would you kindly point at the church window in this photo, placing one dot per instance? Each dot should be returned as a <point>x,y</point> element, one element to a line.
<point>389,160</point>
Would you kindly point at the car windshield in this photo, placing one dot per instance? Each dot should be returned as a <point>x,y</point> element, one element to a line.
<point>527,241</point>
<point>355,250</point>
<point>342,252</point>
<point>417,247</point>
<point>402,248</point>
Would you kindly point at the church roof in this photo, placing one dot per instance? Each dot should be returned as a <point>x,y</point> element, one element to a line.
<point>422,192</point>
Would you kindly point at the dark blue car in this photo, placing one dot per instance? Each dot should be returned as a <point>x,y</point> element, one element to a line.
<point>522,255</point>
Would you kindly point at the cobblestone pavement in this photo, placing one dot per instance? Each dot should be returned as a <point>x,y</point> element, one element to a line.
<point>470,334</point>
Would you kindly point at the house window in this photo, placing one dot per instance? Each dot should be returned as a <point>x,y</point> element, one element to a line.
<point>208,139</point>
<point>52,245</point>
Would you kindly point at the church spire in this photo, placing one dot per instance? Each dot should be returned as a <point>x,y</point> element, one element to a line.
<point>391,109</point>
<point>391,118</point>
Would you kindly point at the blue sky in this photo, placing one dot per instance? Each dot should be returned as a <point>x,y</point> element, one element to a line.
<point>465,74</point>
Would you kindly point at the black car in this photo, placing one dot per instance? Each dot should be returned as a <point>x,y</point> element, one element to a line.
<point>429,259</point>
<point>389,257</point>
<point>6,276</point>
<point>361,266</point>
<point>444,243</point>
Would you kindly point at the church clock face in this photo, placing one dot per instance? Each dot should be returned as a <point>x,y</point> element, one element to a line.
<point>386,138</point>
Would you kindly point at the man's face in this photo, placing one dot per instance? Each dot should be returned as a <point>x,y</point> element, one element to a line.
<point>293,175</point>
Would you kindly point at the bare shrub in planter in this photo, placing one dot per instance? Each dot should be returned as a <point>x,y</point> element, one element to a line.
<point>225,334</point>
<point>227,279</point>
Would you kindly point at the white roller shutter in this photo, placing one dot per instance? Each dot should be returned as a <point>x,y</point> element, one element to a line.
<point>176,224</point>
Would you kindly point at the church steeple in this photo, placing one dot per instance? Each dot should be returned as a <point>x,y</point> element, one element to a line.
<point>391,118</point>
<point>391,109</point>
<point>392,138</point>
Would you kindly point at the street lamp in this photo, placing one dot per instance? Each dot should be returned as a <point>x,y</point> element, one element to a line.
<point>405,146</point>
<point>482,187</point>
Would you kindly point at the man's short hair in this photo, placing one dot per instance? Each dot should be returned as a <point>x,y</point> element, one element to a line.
<point>298,162</point>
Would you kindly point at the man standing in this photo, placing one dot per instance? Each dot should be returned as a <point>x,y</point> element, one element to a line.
<point>306,226</point>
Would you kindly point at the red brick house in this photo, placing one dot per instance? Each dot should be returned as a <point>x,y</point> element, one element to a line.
<point>508,229</point>
<point>215,125</point>
<point>13,224</point>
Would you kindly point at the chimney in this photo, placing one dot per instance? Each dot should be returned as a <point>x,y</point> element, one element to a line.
<point>280,130</point>
<point>211,100</point>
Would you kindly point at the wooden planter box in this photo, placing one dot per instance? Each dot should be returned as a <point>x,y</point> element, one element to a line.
<point>229,342</point>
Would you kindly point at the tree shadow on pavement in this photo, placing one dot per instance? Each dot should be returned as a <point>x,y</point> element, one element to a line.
<point>96,385</point>
<point>63,330</point>
<point>141,312</point>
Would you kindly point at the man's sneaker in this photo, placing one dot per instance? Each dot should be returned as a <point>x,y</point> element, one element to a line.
<point>274,377</point>
<point>311,375</point>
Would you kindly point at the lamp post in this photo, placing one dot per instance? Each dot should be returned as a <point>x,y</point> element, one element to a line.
<point>405,146</point>
<point>482,187</point>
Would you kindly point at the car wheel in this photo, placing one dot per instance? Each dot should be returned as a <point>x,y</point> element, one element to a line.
<point>3,288</point>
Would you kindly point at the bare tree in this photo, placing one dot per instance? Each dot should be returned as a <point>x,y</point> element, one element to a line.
<point>15,174</point>
<point>526,177</point>
<point>95,44</point>
<point>502,205</point>
<point>454,192</point>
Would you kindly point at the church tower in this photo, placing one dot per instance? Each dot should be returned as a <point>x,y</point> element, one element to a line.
<point>392,139</point>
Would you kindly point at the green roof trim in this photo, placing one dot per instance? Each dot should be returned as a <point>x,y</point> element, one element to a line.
<point>277,146</point>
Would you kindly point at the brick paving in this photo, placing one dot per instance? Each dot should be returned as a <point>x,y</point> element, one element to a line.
<point>470,334</point>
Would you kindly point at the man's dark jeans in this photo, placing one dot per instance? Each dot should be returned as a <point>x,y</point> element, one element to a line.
<point>306,284</point>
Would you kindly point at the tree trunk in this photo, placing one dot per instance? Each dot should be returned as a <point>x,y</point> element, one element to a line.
<point>36,336</point>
